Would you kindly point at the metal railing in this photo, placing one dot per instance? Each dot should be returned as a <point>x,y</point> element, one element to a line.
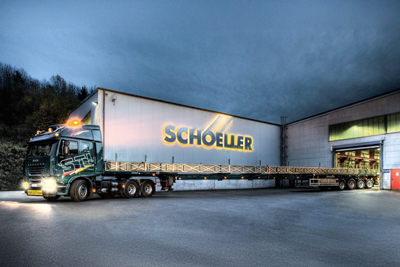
<point>202,168</point>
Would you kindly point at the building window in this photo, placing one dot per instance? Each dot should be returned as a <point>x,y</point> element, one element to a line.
<point>393,123</point>
<point>360,128</point>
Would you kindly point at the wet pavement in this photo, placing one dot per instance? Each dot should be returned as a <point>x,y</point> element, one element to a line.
<point>259,227</point>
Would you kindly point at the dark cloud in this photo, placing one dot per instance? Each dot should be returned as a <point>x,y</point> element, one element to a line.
<point>258,59</point>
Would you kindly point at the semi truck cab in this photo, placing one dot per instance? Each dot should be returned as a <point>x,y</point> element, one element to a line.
<point>61,155</point>
<point>67,160</point>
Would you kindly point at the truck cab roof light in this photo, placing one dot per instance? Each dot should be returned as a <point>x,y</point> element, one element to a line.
<point>74,123</point>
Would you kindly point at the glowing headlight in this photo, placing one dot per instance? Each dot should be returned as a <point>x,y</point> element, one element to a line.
<point>49,185</point>
<point>25,185</point>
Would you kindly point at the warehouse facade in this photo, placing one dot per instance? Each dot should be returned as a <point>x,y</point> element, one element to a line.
<point>364,135</point>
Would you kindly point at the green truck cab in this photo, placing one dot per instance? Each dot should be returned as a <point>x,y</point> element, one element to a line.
<point>68,161</point>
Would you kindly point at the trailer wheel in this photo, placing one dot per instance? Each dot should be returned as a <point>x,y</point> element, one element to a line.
<point>131,189</point>
<point>79,190</point>
<point>369,183</point>
<point>360,183</point>
<point>342,184</point>
<point>148,188</point>
<point>351,184</point>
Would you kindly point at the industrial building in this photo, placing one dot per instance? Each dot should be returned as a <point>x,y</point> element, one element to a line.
<point>365,134</point>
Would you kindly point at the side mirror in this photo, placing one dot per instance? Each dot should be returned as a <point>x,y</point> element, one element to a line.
<point>66,149</point>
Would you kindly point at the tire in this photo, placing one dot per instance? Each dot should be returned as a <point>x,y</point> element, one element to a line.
<point>342,185</point>
<point>79,190</point>
<point>148,188</point>
<point>54,198</point>
<point>131,189</point>
<point>351,184</point>
<point>360,183</point>
<point>369,183</point>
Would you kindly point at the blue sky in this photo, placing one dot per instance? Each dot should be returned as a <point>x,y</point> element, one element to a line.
<point>257,59</point>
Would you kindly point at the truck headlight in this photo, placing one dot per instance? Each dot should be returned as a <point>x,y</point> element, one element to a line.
<point>25,185</point>
<point>49,185</point>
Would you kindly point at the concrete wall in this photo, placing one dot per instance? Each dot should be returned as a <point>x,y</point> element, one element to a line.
<point>308,140</point>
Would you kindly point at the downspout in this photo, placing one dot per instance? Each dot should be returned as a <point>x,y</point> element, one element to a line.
<point>104,128</point>
<point>381,162</point>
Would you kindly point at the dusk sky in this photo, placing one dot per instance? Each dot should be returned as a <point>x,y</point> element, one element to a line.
<point>256,59</point>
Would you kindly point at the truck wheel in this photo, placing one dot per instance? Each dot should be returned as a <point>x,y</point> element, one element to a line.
<point>79,190</point>
<point>342,184</point>
<point>148,188</point>
<point>351,184</point>
<point>369,183</point>
<point>131,189</point>
<point>360,183</point>
<point>51,198</point>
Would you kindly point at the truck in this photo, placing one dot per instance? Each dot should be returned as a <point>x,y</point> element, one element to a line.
<point>122,144</point>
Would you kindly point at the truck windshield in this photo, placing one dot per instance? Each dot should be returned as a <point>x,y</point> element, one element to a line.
<point>42,149</point>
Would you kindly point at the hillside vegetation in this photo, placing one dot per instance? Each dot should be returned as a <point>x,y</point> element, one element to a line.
<point>28,105</point>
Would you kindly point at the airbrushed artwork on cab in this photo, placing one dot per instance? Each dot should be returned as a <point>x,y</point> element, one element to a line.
<point>77,164</point>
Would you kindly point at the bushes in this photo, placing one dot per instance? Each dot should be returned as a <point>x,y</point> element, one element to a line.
<point>28,105</point>
<point>11,164</point>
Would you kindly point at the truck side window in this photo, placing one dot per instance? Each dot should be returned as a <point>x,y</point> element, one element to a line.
<point>85,147</point>
<point>73,148</point>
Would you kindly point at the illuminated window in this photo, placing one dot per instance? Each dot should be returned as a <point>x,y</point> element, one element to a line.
<point>360,128</point>
<point>393,123</point>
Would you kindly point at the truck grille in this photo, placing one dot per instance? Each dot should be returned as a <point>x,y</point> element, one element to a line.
<point>36,169</point>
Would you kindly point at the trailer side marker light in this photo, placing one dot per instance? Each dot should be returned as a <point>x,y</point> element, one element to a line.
<point>154,174</point>
<point>155,185</point>
<point>179,178</point>
<point>225,177</point>
<point>94,190</point>
<point>274,178</point>
<point>123,186</point>
<point>205,178</point>
<point>285,177</point>
<point>242,177</point>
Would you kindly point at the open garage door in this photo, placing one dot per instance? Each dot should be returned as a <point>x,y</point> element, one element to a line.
<point>358,156</point>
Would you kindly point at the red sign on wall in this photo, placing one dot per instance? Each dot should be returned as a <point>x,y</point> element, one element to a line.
<point>395,178</point>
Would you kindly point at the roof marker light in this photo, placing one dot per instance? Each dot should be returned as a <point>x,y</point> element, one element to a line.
<point>74,123</point>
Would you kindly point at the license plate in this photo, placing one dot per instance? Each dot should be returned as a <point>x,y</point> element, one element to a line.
<point>35,193</point>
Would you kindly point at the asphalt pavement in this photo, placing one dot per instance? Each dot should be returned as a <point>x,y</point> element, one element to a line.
<point>259,227</point>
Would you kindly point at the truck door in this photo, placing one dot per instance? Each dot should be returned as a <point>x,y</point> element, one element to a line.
<point>86,158</point>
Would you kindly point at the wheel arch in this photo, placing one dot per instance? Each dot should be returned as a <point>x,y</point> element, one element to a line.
<point>87,179</point>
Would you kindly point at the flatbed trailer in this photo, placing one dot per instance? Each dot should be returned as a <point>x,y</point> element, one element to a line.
<point>341,178</point>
